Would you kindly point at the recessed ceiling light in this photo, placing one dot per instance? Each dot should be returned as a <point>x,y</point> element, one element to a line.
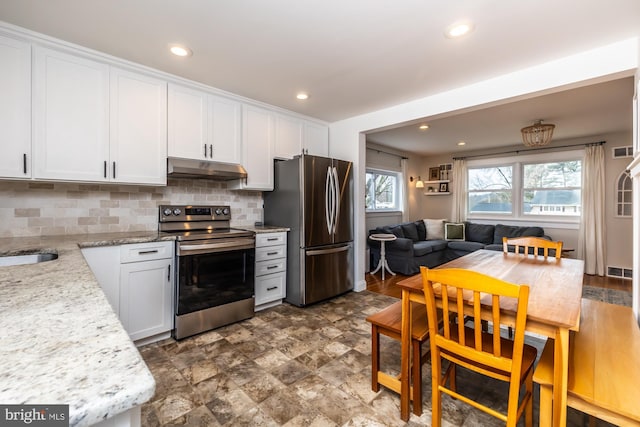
<point>461,143</point>
<point>458,29</point>
<point>180,50</point>
<point>423,127</point>
<point>302,96</point>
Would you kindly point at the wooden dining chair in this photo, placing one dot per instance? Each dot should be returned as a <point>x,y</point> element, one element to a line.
<point>532,245</point>
<point>483,352</point>
<point>389,322</point>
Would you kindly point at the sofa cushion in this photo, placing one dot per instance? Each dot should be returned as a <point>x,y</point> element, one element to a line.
<point>454,231</point>
<point>458,245</point>
<point>482,233</point>
<point>410,231</point>
<point>396,230</point>
<point>435,228</point>
<point>515,231</point>
<point>422,230</point>
<point>427,246</point>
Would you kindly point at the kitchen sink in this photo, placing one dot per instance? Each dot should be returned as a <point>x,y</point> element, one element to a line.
<point>32,258</point>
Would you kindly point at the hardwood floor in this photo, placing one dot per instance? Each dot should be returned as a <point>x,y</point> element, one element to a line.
<point>388,285</point>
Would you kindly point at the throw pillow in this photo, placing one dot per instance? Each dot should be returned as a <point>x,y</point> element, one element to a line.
<point>454,231</point>
<point>410,231</point>
<point>435,228</point>
<point>422,229</point>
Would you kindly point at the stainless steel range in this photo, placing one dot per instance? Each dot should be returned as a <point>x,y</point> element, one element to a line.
<point>214,268</point>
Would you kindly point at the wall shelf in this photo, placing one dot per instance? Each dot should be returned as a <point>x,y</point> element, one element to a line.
<point>435,185</point>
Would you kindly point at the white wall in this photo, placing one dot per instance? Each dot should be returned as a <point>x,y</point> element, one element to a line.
<point>348,140</point>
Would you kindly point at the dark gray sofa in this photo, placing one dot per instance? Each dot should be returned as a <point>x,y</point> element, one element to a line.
<point>414,248</point>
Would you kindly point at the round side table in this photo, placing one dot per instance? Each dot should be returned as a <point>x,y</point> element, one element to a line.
<point>382,264</point>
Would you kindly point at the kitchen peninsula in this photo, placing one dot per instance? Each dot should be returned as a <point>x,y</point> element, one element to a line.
<point>61,341</point>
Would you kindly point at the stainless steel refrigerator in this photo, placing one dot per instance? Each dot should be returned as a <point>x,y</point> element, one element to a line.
<point>314,197</point>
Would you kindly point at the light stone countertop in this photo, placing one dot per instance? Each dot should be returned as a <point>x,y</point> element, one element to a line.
<point>61,342</point>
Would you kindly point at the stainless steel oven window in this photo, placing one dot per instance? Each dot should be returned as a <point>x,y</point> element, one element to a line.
<point>213,279</point>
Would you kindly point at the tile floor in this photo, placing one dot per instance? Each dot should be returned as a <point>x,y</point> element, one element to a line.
<point>291,366</point>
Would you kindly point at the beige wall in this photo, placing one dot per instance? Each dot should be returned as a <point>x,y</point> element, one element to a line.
<point>618,230</point>
<point>43,208</point>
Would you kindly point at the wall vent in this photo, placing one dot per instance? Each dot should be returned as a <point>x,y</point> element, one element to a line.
<point>621,152</point>
<point>621,272</point>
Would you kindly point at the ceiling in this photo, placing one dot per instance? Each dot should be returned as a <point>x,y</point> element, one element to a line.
<point>354,56</point>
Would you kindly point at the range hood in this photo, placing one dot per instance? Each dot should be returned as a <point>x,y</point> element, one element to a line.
<point>204,169</point>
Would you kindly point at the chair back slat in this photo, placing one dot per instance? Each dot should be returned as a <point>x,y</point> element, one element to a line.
<point>495,315</point>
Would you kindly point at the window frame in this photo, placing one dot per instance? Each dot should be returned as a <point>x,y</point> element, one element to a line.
<point>399,192</point>
<point>517,215</point>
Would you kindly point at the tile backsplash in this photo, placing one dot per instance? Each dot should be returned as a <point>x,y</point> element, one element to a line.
<point>50,208</point>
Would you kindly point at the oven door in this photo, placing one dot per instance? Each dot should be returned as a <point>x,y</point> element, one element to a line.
<point>212,274</point>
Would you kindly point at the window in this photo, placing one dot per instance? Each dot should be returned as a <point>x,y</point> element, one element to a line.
<point>528,187</point>
<point>491,190</point>
<point>624,193</point>
<point>552,188</point>
<point>383,190</point>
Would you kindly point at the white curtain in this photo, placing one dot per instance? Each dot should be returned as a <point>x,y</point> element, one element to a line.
<point>591,243</point>
<point>406,188</point>
<point>459,189</point>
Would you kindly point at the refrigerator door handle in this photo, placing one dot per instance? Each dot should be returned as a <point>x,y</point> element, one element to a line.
<point>336,195</point>
<point>328,206</point>
<point>328,251</point>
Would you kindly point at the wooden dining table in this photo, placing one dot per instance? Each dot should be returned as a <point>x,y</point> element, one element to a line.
<point>554,309</point>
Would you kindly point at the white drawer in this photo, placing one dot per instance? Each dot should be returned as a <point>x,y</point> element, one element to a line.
<point>270,288</point>
<point>270,253</point>
<point>270,239</point>
<point>270,266</point>
<point>146,251</point>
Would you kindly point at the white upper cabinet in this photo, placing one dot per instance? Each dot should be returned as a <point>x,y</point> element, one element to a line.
<point>204,126</point>
<point>15,108</point>
<point>70,117</point>
<point>288,142</point>
<point>257,148</point>
<point>225,129</point>
<point>96,123</point>
<point>315,139</point>
<point>138,136</point>
<point>188,120</point>
<point>295,136</point>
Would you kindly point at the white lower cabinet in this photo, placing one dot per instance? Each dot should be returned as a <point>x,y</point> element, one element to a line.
<point>138,282</point>
<point>271,269</point>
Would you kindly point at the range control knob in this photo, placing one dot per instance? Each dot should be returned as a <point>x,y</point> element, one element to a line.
<point>218,211</point>
<point>225,211</point>
<point>166,212</point>
<point>177,211</point>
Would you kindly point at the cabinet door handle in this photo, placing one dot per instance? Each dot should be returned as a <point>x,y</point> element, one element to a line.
<point>105,168</point>
<point>205,150</point>
<point>154,251</point>
<point>271,267</point>
<point>169,273</point>
<point>114,170</point>
<point>211,150</point>
<point>272,288</point>
<point>24,163</point>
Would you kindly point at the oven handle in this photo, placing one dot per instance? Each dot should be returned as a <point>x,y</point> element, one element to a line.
<point>235,244</point>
